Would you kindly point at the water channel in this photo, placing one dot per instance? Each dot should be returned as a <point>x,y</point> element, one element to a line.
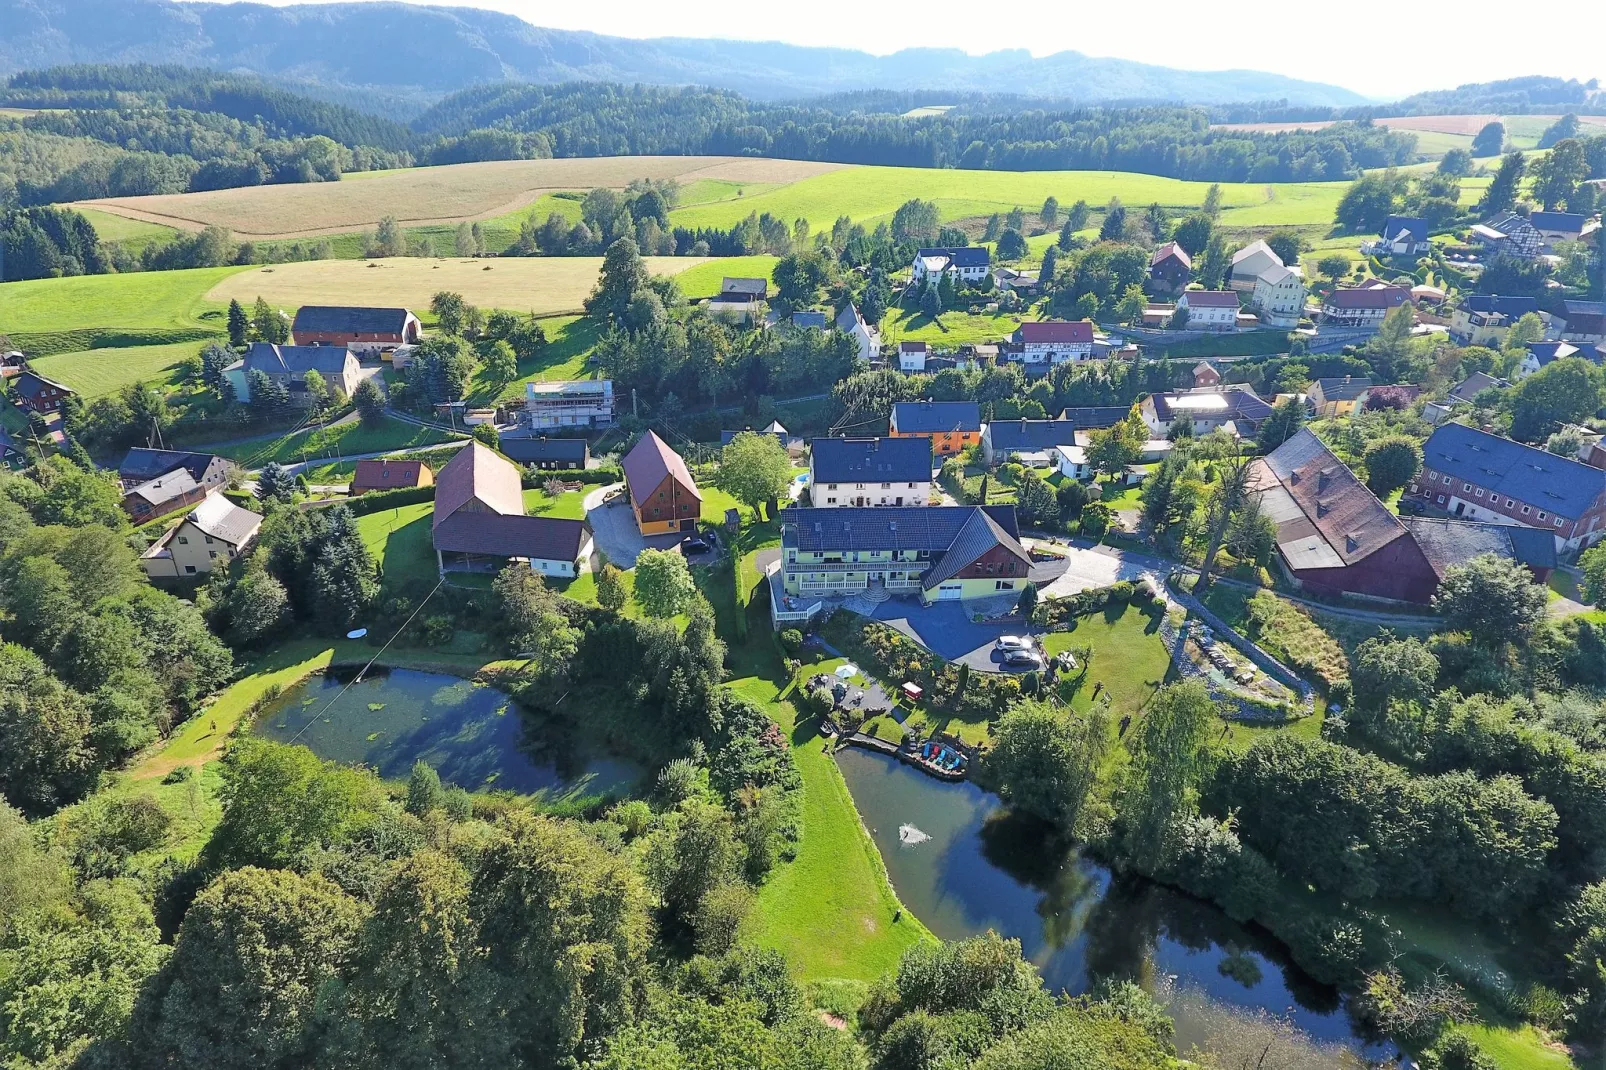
<point>472,734</point>
<point>964,865</point>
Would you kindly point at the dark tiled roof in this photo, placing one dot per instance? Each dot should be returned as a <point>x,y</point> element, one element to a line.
<point>529,450</point>
<point>172,484</point>
<point>1369,297</point>
<point>751,288</point>
<point>1055,331</point>
<point>477,472</point>
<point>1032,435</point>
<point>812,320</point>
<point>543,538</point>
<point>1417,228</point>
<point>647,465</point>
<point>1344,388</point>
<point>1569,222</point>
<point>1088,417</point>
<point>296,360</point>
<point>1475,384</point>
<point>1210,298</point>
<point>1448,543</point>
<point>979,534</point>
<point>341,319</point>
<point>140,464</point>
<point>1242,403</point>
<point>1545,352</point>
<point>872,460</point>
<point>1510,307</point>
<point>929,528</point>
<point>31,383</point>
<point>933,417</point>
<point>1585,308</point>
<point>1171,251</point>
<point>912,347</point>
<point>966,256</point>
<point>387,475</point>
<point>1541,479</point>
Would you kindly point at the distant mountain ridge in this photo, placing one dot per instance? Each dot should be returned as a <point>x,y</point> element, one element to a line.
<point>428,52</point>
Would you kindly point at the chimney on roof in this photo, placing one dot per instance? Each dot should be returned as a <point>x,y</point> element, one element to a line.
<point>1324,478</point>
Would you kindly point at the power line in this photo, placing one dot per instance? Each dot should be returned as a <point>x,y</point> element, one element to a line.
<point>315,717</point>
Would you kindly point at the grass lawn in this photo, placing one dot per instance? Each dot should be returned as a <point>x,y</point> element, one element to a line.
<point>95,372</point>
<point>569,341</point>
<point>146,300</point>
<point>705,279</point>
<point>949,329</point>
<point>1129,657</point>
<point>334,441</point>
<point>1119,497</point>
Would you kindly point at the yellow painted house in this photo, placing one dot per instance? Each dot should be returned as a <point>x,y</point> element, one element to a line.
<point>214,533</point>
<point>1339,396</point>
<point>939,553</point>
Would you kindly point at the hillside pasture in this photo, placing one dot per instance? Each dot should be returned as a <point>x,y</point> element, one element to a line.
<point>705,279</point>
<point>153,301</point>
<point>543,285</point>
<point>870,194</point>
<point>1436,134</point>
<point>428,196</point>
<point>95,372</point>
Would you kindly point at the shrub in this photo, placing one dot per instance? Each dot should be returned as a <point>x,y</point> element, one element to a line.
<point>792,640</point>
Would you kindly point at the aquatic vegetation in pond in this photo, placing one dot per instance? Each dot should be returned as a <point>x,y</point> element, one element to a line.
<point>390,719</point>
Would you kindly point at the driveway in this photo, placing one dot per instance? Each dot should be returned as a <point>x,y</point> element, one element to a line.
<point>945,628</point>
<point>1100,566</point>
<point>614,527</point>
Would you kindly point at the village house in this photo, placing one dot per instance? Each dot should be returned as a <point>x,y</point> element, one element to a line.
<point>165,494</point>
<point>1170,268</point>
<point>390,474</point>
<point>214,534</point>
<point>1338,396</point>
<point>158,482</point>
<point>1362,306</point>
<point>864,472</point>
<point>1235,407</point>
<point>1557,227</point>
<point>1027,441</point>
<point>1542,354</point>
<point>1072,462</point>
<point>1209,310</point>
<point>1401,236</point>
<point>546,454</point>
<point>1022,282</point>
<point>479,524</point>
<point>912,356</point>
<point>951,425</point>
<point>1460,396</point>
<point>32,392</point>
<point>1249,263</point>
<point>364,331</point>
<point>967,265</point>
<point>663,495</point>
<point>739,300</point>
<point>939,553</point>
<point>1205,375</point>
<point>1474,475</point>
<point>1508,234</point>
<point>1583,321</point>
<point>775,430</point>
<point>743,289</point>
<point>1279,297</point>
<point>569,404</point>
<point>865,337</point>
<point>1334,537</point>
<point>1054,342</point>
<point>810,319</point>
<point>1486,319</point>
<point>288,366</point>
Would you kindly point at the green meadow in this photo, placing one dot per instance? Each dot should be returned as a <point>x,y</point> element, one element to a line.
<point>104,371</point>
<point>148,300</point>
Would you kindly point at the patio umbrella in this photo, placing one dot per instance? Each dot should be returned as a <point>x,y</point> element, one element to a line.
<point>847,671</point>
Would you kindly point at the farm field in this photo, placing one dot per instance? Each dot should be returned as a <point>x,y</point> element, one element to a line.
<point>948,329</point>
<point>133,233</point>
<point>335,440</point>
<point>155,300</point>
<point>429,195</point>
<point>96,372</point>
<point>1437,134</point>
<point>704,279</point>
<point>543,285</point>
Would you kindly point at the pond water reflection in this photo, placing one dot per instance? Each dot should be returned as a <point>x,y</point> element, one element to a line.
<point>963,865</point>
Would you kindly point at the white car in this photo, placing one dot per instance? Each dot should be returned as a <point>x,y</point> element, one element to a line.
<point>1013,642</point>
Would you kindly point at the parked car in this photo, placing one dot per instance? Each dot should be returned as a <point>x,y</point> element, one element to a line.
<point>1022,659</point>
<point>1013,642</point>
<point>694,544</point>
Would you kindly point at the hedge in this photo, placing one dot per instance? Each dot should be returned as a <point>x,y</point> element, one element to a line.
<point>380,500</point>
<point>534,477</point>
<point>49,343</point>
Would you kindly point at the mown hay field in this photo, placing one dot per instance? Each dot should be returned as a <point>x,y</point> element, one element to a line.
<point>153,300</point>
<point>543,285</point>
<point>424,196</point>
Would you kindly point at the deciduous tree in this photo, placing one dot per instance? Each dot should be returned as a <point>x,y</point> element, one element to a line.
<point>664,586</point>
<point>755,469</point>
<point>1494,600</point>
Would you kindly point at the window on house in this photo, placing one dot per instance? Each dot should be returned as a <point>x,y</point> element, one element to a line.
<point>1478,493</point>
<point>1525,510</point>
<point>1441,499</point>
<point>1466,486</point>
<point>189,568</point>
<point>1558,521</point>
<point>1541,514</point>
<point>184,539</point>
<point>1004,585</point>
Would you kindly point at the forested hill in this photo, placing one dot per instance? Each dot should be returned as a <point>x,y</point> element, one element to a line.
<point>435,50</point>
<point>1530,95</point>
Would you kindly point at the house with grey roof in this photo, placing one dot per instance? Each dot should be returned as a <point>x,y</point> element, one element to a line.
<point>966,265</point>
<point>865,337</point>
<point>1474,475</point>
<point>215,533</point>
<point>951,552</point>
<point>288,366</point>
<point>865,472</point>
<point>367,331</point>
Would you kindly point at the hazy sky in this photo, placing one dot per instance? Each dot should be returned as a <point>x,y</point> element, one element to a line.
<point>1381,50</point>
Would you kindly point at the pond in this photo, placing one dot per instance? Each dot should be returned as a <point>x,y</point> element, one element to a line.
<point>472,734</point>
<point>964,865</point>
